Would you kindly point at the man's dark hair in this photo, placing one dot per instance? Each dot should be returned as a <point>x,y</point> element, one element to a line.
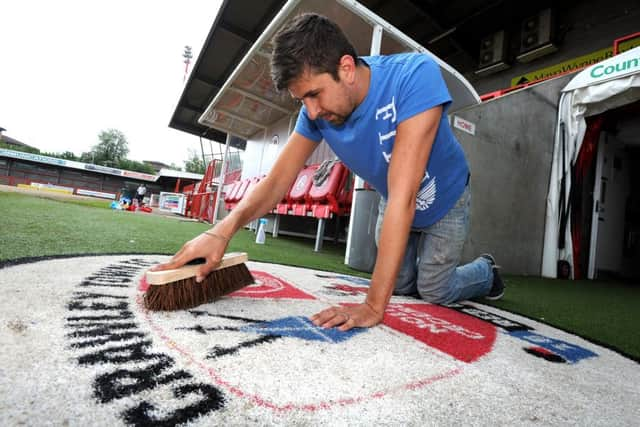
<point>310,40</point>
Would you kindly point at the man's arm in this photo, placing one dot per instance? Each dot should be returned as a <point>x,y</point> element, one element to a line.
<point>261,200</point>
<point>411,151</point>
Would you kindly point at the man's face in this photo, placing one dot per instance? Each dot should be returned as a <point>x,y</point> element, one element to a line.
<point>323,97</point>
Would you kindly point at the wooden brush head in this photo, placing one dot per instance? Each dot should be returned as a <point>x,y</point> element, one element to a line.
<point>190,270</point>
<point>177,289</point>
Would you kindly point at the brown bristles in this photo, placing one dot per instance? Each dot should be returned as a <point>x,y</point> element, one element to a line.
<point>186,293</point>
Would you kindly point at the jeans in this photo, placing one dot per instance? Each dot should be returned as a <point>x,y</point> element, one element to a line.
<point>430,266</point>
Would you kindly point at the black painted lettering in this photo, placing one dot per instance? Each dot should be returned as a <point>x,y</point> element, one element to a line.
<point>102,336</point>
<point>211,399</point>
<point>89,295</point>
<point>117,329</point>
<point>87,283</point>
<point>136,352</point>
<point>123,315</point>
<point>79,305</point>
<point>494,319</point>
<point>126,382</point>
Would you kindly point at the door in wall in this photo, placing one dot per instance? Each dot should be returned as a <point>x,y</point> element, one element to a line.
<point>611,189</point>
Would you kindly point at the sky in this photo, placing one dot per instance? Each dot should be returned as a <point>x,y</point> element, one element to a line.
<point>70,69</point>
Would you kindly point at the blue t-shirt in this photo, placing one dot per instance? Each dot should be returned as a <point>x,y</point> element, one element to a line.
<point>401,86</point>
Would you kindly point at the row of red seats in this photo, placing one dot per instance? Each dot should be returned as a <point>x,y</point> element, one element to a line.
<point>304,198</point>
<point>238,190</point>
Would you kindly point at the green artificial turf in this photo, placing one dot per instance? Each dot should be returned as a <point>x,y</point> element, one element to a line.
<point>604,312</point>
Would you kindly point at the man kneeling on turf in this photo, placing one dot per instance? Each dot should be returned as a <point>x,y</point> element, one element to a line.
<point>385,118</point>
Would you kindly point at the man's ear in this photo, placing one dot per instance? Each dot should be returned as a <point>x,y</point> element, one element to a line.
<point>347,68</point>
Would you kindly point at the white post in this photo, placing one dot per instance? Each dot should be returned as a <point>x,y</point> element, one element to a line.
<point>319,235</point>
<point>264,144</point>
<point>220,178</point>
<point>376,42</point>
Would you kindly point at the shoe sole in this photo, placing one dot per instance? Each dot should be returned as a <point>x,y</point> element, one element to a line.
<point>494,298</point>
<point>494,267</point>
<point>491,260</point>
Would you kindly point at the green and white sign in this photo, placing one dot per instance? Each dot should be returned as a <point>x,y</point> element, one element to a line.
<point>619,67</point>
<point>623,65</point>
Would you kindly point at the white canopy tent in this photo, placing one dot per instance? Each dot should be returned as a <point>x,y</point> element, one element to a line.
<point>601,87</point>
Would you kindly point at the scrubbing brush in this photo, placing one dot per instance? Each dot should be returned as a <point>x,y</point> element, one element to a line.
<point>178,290</point>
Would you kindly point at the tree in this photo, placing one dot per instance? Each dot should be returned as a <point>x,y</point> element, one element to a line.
<point>112,148</point>
<point>194,163</point>
<point>22,148</point>
<point>67,155</point>
<point>132,165</point>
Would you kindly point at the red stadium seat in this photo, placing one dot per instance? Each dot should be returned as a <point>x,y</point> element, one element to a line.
<point>230,199</point>
<point>298,197</point>
<point>237,193</point>
<point>233,188</point>
<point>324,197</point>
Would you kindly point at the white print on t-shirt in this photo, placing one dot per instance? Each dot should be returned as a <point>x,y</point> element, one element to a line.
<point>427,194</point>
<point>387,112</point>
<point>382,139</point>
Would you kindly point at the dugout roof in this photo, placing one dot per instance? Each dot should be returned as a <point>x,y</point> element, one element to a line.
<point>450,29</point>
